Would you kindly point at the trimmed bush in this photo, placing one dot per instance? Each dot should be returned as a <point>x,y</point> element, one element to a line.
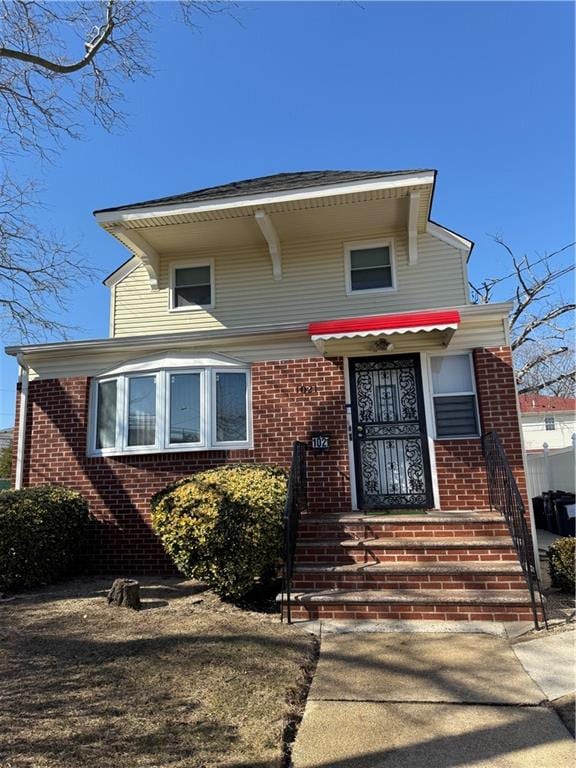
<point>561,563</point>
<point>224,526</point>
<point>41,532</point>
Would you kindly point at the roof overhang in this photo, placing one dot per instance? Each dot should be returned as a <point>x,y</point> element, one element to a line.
<point>445,321</point>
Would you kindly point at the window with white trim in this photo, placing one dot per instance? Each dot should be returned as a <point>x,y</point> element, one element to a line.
<point>454,396</point>
<point>170,410</point>
<point>550,423</point>
<point>192,286</point>
<point>369,267</point>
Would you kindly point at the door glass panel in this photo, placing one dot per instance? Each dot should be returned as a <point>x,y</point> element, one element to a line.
<point>142,410</point>
<point>185,408</point>
<point>231,422</point>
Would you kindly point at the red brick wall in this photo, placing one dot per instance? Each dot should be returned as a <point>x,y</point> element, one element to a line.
<point>460,465</point>
<point>119,489</point>
<point>290,400</point>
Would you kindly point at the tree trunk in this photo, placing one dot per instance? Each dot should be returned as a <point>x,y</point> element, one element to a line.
<point>125,593</point>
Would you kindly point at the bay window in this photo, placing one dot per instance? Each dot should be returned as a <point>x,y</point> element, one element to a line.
<point>170,410</point>
<point>454,396</point>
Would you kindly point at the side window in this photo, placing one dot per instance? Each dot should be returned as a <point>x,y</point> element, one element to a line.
<point>369,267</point>
<point>550,423</point>
<point>454,395</point>
<point>192,287</point>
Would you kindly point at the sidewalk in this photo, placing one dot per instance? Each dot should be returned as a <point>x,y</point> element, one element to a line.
<point>427,701</point>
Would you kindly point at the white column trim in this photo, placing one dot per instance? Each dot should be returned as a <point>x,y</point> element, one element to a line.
<point>143,251</point>
<point>413,228</point>
<point>270,233</point>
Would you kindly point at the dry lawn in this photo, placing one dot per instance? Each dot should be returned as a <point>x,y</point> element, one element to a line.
<point>186,682</point>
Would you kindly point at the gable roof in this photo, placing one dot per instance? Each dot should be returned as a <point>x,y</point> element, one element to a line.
<point>534,403</point>
<point>278,182</point>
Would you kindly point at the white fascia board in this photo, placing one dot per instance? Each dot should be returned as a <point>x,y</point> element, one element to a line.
<point>500,309</point>
<point>170,340</point>
<point>178,209</point>
<point>122,272</point>
<point>449,237</point>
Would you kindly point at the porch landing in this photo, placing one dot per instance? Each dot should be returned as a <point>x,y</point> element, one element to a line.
<point>437,566</point>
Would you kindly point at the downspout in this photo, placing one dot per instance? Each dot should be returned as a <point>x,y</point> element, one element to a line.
<point>20,450</point>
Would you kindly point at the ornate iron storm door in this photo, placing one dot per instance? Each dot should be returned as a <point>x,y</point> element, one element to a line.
<point>389,433</point>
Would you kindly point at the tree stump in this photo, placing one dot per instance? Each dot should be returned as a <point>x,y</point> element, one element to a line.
<point>125,593</point>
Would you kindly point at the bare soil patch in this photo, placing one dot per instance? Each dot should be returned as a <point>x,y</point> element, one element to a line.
<point>187,682</point>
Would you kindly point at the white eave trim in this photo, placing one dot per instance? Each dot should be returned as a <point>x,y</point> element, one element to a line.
<point>449,237</point>
<point>178,209</point>
<point>122,272</point>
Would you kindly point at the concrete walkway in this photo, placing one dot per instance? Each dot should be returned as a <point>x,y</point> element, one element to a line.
<point>550,662</point>
<point>427,701</point>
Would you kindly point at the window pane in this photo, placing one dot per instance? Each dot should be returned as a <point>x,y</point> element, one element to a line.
<point>370,257</point>
<point>185,408</point>
<point>185,297</point>
<point>451,374</point>
<point>455,416</point>
<point>106,415</point>
<point>364,279</point>
<point>550,423</point>
<point>142,410</point>
<point>231,407</point>
<point>192,276</point>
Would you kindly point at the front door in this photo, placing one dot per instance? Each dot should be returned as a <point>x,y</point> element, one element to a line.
<point>389,433</point>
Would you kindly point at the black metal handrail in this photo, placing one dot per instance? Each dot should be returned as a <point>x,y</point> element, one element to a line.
<point>296,503</point>
<point>505,497</point>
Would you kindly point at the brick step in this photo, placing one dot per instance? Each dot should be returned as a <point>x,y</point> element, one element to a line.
<point>332,551</point>
<point>448,575</point>
<point>451,605</point>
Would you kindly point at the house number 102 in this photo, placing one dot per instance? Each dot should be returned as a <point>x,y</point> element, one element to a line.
<point>307,389</point>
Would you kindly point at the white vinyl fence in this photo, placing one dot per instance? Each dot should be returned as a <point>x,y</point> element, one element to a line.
<point>551,470</point>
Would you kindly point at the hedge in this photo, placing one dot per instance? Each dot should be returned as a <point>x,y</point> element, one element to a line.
<point>561,563</point>
<point>224,526</point>
<point>42,530</point>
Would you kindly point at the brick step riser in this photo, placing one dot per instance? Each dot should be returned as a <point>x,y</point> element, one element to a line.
<point>420,612</point>
<point>310,581</point>
<point>382,530</point>
<point>340,556</point>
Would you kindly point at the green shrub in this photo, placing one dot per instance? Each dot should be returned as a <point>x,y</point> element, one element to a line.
<point>41,532</point>
<point>561,563</point>
<point>224,526</point>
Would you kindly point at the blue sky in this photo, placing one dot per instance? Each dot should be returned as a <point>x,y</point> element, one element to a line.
<point>484,92</point>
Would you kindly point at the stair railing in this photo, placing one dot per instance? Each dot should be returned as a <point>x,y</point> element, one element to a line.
<point>505,497</point>
<point>296,503</point>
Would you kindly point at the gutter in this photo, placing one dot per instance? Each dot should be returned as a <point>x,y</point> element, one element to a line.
<point>21,445</point>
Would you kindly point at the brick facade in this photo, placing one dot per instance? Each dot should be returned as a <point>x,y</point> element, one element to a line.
<point>290,399</point>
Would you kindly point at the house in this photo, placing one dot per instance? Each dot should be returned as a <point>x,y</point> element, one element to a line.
<point>547,419</point>
<point>325,307</point>
<point>5,438</point>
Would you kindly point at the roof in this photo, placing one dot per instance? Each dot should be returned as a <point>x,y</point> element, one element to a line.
<point>534,403</point>
<point>277,182</point>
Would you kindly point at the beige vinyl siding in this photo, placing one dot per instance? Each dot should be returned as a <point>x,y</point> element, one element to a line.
<point>312,286</point>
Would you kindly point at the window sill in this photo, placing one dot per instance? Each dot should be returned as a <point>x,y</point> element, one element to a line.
<point>458,437</point>
<point>159,451</point>
<point>365,291</point>
<point>194,308</point>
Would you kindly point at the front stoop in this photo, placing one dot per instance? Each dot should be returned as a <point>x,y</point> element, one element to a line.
<point>451,566</point>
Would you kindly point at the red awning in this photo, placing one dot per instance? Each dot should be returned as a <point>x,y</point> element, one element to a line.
<point>385,325</point>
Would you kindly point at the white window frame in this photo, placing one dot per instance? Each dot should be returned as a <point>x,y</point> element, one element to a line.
<point>172,285</point>
<point>162,435</point>
<point>363,245</point>
<point>474,392</point>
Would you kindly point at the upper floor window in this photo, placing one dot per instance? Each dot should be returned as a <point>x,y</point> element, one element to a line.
<point>454,396</point>
<point>369,267</point>
<point>170,410</point>
<point>550,423</point>
<point>192,286</point>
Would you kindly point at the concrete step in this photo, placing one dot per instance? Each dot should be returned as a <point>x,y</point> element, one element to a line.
<point>438,605</point>
<point>454,567</point>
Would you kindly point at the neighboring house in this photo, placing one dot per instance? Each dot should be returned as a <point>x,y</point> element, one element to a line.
<point>549,430</point>
<point>6,438</point>
<point>321,305</point>
<point>547,419</point>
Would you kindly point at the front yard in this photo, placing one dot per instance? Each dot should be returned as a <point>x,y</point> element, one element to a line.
<point>188,681</point>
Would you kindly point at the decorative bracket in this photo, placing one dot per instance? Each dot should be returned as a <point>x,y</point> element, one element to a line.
<point>142,249</point>
<point>447,336</point>
<point>271,236</point>
<point>413,228</point>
